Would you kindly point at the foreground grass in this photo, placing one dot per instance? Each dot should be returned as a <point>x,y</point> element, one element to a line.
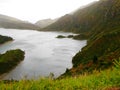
<point>96,81</point>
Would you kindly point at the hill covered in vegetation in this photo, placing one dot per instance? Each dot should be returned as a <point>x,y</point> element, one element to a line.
<point>10,59</point>
<point>100,23</point>
<point>4,39</point>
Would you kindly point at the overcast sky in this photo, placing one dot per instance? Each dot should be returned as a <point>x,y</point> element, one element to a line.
<point>34,10</point>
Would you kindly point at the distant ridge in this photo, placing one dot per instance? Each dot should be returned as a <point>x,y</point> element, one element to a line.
<point>14,23</point>
<point>45,22</point>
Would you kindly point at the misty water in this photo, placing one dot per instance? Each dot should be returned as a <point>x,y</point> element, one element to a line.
<point>44,53</point>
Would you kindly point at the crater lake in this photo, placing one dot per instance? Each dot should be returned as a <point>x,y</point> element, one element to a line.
<point>44,53</point>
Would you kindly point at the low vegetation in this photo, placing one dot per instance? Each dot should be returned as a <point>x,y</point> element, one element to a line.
<point>10,59</point>
<point>99,80</point>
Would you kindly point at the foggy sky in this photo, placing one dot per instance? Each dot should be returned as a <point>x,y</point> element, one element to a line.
<point>34,10</point>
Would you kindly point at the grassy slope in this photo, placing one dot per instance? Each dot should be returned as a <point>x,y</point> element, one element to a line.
<point>103,44</point>
<point>98,54</point>
<point>95,16</point>
<point>103,80</point>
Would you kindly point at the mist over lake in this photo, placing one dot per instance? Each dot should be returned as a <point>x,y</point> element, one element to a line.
<point>44,53</point>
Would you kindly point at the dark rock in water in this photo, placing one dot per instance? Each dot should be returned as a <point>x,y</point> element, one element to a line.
<point>80,37</point>
<point>61,36</point>
<point>70,36</point>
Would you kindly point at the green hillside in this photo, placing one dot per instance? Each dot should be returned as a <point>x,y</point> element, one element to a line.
<point>100,23</point>
<point>98,14</point>
<point>104,42</point>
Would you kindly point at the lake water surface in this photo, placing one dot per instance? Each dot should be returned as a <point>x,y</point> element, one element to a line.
<point>44,53</point>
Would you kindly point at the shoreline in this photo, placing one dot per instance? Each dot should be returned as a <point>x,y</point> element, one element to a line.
<point>6,42</point>
<point>2,76</point>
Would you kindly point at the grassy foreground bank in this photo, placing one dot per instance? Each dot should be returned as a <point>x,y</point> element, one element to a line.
<point>104,80</point>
